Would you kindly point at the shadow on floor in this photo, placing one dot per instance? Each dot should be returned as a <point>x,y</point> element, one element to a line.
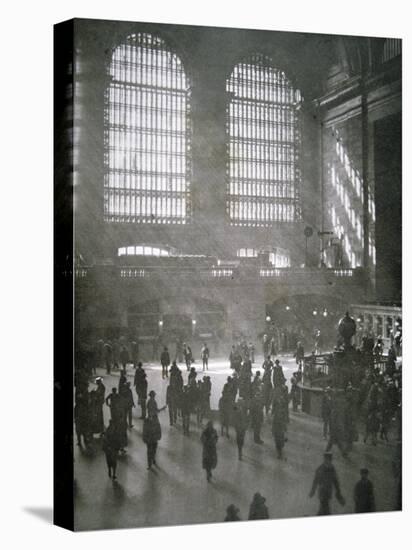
<point>45,514</point>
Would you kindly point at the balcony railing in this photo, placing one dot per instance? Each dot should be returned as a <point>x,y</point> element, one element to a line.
<point>215,272</point>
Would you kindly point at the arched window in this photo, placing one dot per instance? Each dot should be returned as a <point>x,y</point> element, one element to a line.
<point>263,134</point>
<point>147,138</point>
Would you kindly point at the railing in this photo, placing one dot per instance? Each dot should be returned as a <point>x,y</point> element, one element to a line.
<point>215,272</point>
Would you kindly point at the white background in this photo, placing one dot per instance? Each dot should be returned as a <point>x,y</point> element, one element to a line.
<point>26,203</point>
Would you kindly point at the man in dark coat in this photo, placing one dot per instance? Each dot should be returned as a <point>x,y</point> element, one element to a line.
<point>326,479</point>
<point>363,494</point>
<point>165,362</point>
<point>209,439</point>
<point>225,408</point>
<point>111,448</point>
<point>140,383</point>
<point>185,407</point>
<point>294,392</point>
<point>124,357</point>
<point>240,423</point>
<point>326,409</point>
<point>113,401</point>
<point>337,425</point>
<point>258,508</point>
<point>187,354</point>
<point>172,396</point>
<point>256,417</point>
<point>278,422</point>
<point>128,402</point>
<point>205,356</point>
<point>267,390</point>
<point>232,513</point>
<point>278,376</point>
<point>152,433</point>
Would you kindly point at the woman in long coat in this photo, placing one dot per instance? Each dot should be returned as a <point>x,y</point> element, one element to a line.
<point>209,459</point>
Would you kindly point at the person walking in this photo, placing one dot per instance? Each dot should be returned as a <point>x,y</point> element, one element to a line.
<point>225,407</point>
<point>363,494</point>
<point>240,422</point>
<point>140,384</point>
<point>279,421</point>
<point>129,403</point>
<point>256,417</point>
<point>152,433</point>
<point>278,376</point>
<point>325,481</point>
<point>326,409</point>
<point>172,401</point>
<point>165,362</point>
<point>204,353</point>
<point>111,449</point>
<point>209,439</point>
<point>188,357</point>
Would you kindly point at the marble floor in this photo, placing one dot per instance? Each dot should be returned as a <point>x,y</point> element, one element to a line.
<point>176,492</point>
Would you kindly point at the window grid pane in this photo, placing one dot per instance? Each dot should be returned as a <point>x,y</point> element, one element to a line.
<point>263,145</point>
<point>147,138</point>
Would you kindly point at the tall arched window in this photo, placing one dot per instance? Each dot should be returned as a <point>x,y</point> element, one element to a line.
<point>263,145</point>
<point>147,138</point>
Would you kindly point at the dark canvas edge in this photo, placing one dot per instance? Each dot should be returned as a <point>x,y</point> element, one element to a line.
<point>63,355</point>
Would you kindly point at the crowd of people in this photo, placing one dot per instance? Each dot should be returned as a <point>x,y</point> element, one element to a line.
<point>247,398</point>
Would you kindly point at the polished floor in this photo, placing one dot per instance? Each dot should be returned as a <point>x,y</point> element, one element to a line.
<point>176,492</point>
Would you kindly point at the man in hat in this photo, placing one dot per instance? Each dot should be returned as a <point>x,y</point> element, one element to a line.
<point>204,353</point>
<point>165,362</point>
<point>152,408</point>
<point>209,439</point>
<point>152,433</point>
<point>232,513</point>
<point>113,401</point>
<point>363,494</point>
<point>140,383</point>
<point>326,409</point>
<point>278,376</point>
<point>258,508</point>
<point>128,402</point>
<point>240,422</point>
<point>326,479</point>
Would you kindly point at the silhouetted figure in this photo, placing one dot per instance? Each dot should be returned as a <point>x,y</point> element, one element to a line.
<point>111,448</point>
<point>140,383</point>
<point>325,481</point>
<point>124,357</point>
<point>187,354</point>
<point>204,353</point>
<point>363,494</point>
<point>240,423</point>
<point>209,458</point>
<point>258,508</point>
<point>165,362</point>
<point>256,417</point>
<point>225,409</point>
<point>232,513</point>
<point>128,403</point>
<point>278,376</point>
<point>113,401</point>
<point>326,409</point>
<point>279,421</point>
<point>152,433</point>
